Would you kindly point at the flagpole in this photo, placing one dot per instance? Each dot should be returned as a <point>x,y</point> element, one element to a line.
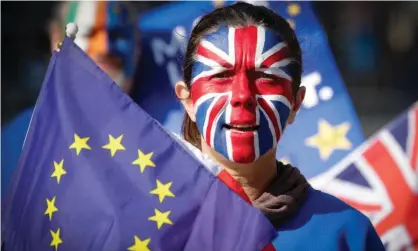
<point>71,30</point>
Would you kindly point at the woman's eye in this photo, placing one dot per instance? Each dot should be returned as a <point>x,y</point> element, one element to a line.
<point>266,76</point>
<point>225,74</point>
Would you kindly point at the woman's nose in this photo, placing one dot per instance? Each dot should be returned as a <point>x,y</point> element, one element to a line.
<point>242,93</point>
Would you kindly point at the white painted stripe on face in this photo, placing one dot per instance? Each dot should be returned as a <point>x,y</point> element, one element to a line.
<point>203,99</point>
<point>228,114</point>
<point>231,45</point>
<point>281,63</point>
<point>215,122</point>
<point>261,33</point>
<point>206,123</point>
<point>278,98</point>
<point>264,56</point>
<point>211,47</point>
<point>256,136</point>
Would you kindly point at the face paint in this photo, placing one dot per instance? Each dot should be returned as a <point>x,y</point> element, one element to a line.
<point>242,91</point>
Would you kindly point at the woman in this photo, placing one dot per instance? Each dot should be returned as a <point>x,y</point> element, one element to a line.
<point>242,74</point>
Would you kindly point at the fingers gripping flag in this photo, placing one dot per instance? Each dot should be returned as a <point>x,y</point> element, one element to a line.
<point>98,173</point>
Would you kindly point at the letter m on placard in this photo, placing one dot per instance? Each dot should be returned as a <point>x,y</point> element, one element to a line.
<point>165,53</point>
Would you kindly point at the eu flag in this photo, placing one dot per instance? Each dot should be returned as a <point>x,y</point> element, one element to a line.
<point>98,173</point>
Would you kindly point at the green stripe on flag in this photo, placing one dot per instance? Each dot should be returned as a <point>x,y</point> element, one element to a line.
<point>72,12</point>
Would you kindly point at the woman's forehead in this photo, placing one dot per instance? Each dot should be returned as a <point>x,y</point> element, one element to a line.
<point>227,36</point>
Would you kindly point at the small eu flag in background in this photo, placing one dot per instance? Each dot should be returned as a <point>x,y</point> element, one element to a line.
<point>98,173</point>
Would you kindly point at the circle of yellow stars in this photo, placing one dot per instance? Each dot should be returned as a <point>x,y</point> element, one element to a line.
<point>143,161</point>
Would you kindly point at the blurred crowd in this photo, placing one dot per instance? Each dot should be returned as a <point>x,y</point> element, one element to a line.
<point>376,48</point>
<point>374,44</point>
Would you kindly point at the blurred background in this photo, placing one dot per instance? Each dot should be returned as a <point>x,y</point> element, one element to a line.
<point>374,45</point>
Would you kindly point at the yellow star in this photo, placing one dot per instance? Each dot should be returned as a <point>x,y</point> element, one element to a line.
<point>144,160</point>
<point>51,208</point>
<point>161,218</point>
<point>114,145</point>
<point>293,9</point>
<point>163,190</point>
<point>140,245</point>
<point>56,240</point>
<point>80,143</point>
<point>329,138</point>
<point>58,170</point>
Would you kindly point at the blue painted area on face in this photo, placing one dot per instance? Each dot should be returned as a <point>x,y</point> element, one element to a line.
<point>202,114</point>
<point>220,137</point>
<point>270,40</point>
<point>219,38</point>
<point>198,68</point>
<point>265,136</point>
<point>283,111</point>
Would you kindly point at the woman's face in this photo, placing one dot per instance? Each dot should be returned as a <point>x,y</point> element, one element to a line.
<point>242,91</point>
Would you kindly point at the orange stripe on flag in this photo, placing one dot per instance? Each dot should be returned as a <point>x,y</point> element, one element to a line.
<point>98,44</point>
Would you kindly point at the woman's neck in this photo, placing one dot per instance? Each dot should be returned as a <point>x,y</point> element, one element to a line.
<point>254,177</point>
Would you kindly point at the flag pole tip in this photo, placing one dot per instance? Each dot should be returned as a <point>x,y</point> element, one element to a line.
<point>71,30</point>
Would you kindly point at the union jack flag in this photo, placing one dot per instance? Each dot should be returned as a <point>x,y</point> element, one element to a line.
<point>380,179</point>
<point>260,50</point>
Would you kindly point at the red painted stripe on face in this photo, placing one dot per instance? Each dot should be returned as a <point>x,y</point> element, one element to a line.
<point>243,149</point>
<point>275,57</point>
<point>245,47</point>
<point>275,87</point>
<point>204,52</point>
<point>243,101</point>
<point>204,86</point>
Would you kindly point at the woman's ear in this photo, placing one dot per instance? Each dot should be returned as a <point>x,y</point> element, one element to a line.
<point>300,95</point>
<point>183,94</point>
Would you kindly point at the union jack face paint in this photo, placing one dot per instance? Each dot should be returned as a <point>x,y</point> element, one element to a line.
<point>242,91</point>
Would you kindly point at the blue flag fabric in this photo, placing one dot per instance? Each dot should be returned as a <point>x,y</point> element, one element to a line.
<point>98,173</point>
<point>327,127</point>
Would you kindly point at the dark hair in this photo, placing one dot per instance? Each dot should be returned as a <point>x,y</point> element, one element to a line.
<point>238,15</point>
